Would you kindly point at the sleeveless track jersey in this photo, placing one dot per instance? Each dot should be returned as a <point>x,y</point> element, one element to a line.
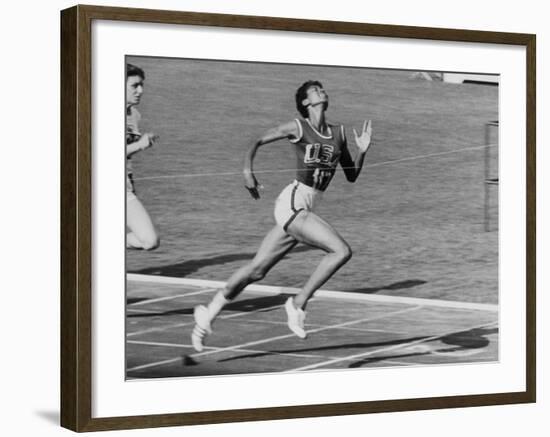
<point>317,155</point>
<point>132,131</point>
<point>132,135</point>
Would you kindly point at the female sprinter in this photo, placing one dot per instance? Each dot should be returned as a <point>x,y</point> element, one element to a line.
<point>142,233</point>
<point>319,147</point>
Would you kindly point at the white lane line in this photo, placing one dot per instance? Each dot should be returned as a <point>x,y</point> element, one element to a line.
<point>170,280</point>
<point>175,296</point>
<point>268,289</point>
<point>157,363</point>
<point>248,351</point>
<point>258,321</point>
<point>376,164</point>
<point>192,322</point>
<point>280,337</point>
<point>141,311</point>
<point>383,349</point>
<point>349,328</point>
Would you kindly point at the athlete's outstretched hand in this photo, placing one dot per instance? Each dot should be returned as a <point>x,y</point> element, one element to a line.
<point>251,184</point>
<point>149,139</point>
<point>363,140</point>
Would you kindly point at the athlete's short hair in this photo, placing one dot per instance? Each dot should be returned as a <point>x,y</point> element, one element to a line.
<point>133,70</point>
<point>301,95</point>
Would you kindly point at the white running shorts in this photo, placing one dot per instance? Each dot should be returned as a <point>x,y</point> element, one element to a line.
<point>130,190</point>
<point>294,198</point>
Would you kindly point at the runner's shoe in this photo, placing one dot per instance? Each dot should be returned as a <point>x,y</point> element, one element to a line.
<point>296,318</point>
<point>202,327</point>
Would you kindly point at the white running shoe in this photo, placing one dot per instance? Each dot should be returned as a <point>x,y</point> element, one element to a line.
<point>202,327</point>
<point>296,318</point>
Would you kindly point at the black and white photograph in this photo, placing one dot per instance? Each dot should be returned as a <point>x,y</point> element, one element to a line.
<point>301,218</point>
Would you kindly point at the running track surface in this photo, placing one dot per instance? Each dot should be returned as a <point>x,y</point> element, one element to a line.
<point>345,331</point>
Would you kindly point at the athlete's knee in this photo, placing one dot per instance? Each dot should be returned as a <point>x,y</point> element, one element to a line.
<point>344,252</point>
<point>151,242</point>
<point>256,273</point>
<point>349,254</point>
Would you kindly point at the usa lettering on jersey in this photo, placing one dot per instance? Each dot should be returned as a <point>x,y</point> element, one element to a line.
<point>318,154</point>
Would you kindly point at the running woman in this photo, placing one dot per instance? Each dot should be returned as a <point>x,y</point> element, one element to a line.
<point>319,147</point>
<point>143,234</point>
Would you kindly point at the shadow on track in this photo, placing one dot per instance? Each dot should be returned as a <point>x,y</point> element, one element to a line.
<point>409,283</point>
<point>460,341</point>
<point>242,306</point>
<point>185,268</point>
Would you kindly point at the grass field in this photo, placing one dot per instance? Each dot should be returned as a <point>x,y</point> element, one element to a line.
<point>414,218</point>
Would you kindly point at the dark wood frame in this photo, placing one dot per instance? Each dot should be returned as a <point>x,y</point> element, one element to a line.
<point>76,217</point>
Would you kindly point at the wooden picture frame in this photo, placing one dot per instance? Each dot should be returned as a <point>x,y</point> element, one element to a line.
<point>76,217</point>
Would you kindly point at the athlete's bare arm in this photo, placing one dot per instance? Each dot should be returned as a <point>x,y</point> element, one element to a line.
<point>286,130</point>
<point>145,141</point>
<point>351,167</point>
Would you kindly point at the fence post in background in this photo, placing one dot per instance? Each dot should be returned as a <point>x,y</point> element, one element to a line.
<point>488,179</point>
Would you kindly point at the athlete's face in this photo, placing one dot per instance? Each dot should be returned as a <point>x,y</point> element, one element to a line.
<point>134,90</point>
<point>316,95</point>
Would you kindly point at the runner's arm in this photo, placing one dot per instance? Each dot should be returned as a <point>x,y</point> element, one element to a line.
<point>286,130</point>
<point>144,142</point>
<point>351,167</point>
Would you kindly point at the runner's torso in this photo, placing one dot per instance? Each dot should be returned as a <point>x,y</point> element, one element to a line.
<point>132,131</point>
<point>317,155</point>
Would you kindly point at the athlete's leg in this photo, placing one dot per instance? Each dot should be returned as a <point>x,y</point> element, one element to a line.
<point>142,233</point>
<point>311,229</point>
<point>274,247</point>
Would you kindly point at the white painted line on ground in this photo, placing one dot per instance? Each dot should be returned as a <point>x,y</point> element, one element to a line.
<point>175,296</point>
<point>281,337</point>
<point>155,279</point>
<point>440,303</point>
<point>159,329</point>
<point>349,328</point>
<point>192,322</point>
<point>141,311</point>
<point>157,363</point>
<point>383,349</point>
<point>379,298</point>
<point>259,321</point>
<point>311,331</point>
<point>248,351</point>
